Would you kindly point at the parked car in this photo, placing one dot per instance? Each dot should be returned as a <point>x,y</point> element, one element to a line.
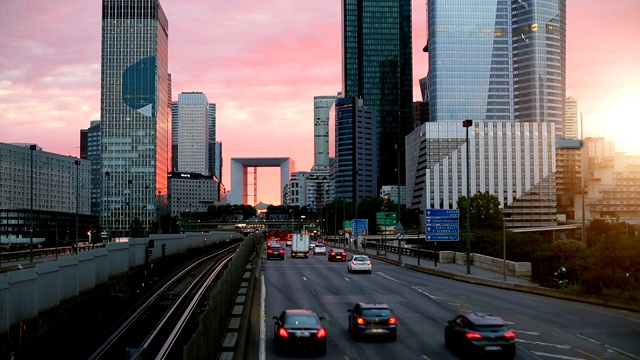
<point>474,334</point>
<point>275,252</point>
<point>369,319</point>
<point>359,263</point>
<point>337,255</point>
<point>299,330</point>
<point>320,249</point>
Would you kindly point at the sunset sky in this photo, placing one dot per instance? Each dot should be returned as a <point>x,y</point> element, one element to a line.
<point>262,62</point>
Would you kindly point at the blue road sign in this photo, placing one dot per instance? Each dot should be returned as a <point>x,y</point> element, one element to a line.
<point>449,237</point>
<point>442,229</point>
<point>451,213</point>
<point>441,220</point>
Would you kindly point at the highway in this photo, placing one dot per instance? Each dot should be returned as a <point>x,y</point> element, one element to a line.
<point>546,328</point>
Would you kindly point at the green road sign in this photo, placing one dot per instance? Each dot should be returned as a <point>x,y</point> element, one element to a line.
<point>386,218</point>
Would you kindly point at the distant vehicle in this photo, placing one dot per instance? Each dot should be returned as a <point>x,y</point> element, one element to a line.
<point>299,330</point>
<point>319,249</point>
<point>288,242</point>
<point>300,245</point>
<point>359,263</point>
<point>367,319</point>
<point>475,334</point>
<point>275,252</point>
<point>337,255</point>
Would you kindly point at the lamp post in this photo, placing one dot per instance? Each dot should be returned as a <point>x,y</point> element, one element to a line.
<point>466,124</point>
<point>31,148</point>
<point>107,174</point>
<point>77,162</point>
<point>504,246</point>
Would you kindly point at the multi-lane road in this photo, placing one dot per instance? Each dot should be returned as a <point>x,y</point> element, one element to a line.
<point>546,328</point>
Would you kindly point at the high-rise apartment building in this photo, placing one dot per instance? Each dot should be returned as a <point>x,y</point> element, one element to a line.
<point>497,60</point>
<point>571,118</point>
<point>135,111</point>
<point>193,128</point>
<point>377,68</point>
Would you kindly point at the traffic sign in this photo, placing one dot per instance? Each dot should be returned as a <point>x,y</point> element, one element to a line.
<point>449,237</point>
<point>441,220</point>
<point>450,213</point>
<point>442,229</point>
<point>386,218</point>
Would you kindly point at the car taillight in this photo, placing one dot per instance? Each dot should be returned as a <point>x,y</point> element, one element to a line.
<point>332,253</point>
<point>510,335</point>
<point>369,262</point>
<point>354,262</point>
<point>283,333</point>
<point>393,320</point>
<point>322,333</point>
<point>281,251</point>
<point>269,251</point>
<point>344,254</point>
<point>360,321</point>
<point>473,336</point>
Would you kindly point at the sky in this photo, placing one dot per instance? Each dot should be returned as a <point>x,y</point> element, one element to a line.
<point>262,62</point>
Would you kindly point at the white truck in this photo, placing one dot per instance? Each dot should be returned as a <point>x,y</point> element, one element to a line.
<point>300,245</point>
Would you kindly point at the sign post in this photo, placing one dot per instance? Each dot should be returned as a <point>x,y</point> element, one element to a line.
<point>442,225</point>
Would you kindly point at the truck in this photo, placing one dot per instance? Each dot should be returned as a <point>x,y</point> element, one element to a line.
<point>300,245</point>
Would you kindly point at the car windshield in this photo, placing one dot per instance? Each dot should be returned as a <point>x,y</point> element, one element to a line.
<point>376,312</point>
<point>293,320</point>
<point>319,245</point>
<point>337,250</point>
<point>360,258</point>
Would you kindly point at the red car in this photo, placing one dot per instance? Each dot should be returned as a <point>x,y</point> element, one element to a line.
<point>337,255</point>
<point>275,252</point>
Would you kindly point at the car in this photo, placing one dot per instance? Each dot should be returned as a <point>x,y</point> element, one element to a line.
<point>337,255</point>
<point>475,334</point>
<point>273,241</point>
<point>312,245</point>
<point>299,330</point>
<point>320,249</point>
<point>371,319</point>
<point>289,242</point>
<point>275,252</point>
<point>359,263</point>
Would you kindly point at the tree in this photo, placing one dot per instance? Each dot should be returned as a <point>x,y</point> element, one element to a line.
<point>486,212</point>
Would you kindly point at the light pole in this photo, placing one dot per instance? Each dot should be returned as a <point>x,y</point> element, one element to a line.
<point>466,124</point>
<point>504,246</point>
<point>31,148</point>
<point>107,174</point>
<point>77,162</point>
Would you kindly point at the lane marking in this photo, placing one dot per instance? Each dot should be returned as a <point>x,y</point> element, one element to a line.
<point>263,328</point>
<point>425,293</point>
<point>392,279</point>
<point>557,356</point>
<point>347,279</point>
<point>304,278</point>
<point>525,332</point>
<point>559,346</point>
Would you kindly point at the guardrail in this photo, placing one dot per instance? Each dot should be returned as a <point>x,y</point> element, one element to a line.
<point>44,252</point>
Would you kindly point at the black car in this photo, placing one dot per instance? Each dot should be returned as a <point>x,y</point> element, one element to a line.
<point>275,252</point>
<point>476,334</point>
<point>337,255</point>
<point>300,331</point>
<point>368,319</point>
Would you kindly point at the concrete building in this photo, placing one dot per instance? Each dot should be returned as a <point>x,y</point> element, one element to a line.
<point>239,176</point>
<point>568,178</point>
<point>394,193</point>
<point>193,129</point>
<point>60,188</point>
<point>90,150</point>
<point>191,193</point>
<point>135,110</point>
<point>514,161</point>
<point>571,126</point>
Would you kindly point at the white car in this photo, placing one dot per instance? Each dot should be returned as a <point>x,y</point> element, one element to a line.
<point>359,263</point>
<point>319,249</point>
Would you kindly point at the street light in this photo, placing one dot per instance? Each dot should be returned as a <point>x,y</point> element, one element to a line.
<point>106,224</point>
<point>77,162</point>
<point>31,148</point>
<point>466,124</point>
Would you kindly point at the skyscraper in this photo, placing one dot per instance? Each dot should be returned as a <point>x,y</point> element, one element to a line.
<point>497,60</point>
<point>193,133</point>
<point>321,108</point>
<point>571,118</point>
<point>377,68</point>
<point>135,110</point>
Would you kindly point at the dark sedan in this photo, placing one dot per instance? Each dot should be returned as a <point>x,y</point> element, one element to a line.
<point>477,334</point>
<point>337,255</point>
<point>299,331</point>
<point>367,319</point>
<point>275,252</point>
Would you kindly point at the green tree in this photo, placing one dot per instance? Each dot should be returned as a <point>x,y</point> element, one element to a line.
<point>485,213</point>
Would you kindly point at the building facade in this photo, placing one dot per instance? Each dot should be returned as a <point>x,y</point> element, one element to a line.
<point>135,113</point>
<point>571,118</point>
<point>497,60</point>
<point>321,109</point>
<point>377,67</point>
<point>568,177</point>
<point>513,161</point>
<point>90,142</point>
<point>191,193</point>
<point>193,128</point>
<point>355,175</point>
<point>60,189</point>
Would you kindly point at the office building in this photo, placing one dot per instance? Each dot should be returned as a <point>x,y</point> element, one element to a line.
<point>135,110</point>
<point>377,68</point>
<point>497,60</point>
<point>90,150</point>
<point>355,175</point>
<point>193,133</point>
<point>191,193</point>
<point>571,126</point>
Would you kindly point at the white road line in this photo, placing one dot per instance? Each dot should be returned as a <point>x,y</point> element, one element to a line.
<point>425,357</point>
<point>559,346</point>
<point>263,328</point>
<point>304,278</point>
<point>347,279</point>
<point>424,292</point>
<point>392,279</point>
<point>525,332</point>
<point>557,356</point>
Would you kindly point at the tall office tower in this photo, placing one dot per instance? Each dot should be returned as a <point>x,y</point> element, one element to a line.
<point>193,133</point>
<point>321,108</point>
<point>355,173</point>
<point>212,139</point>
<point>90,150</point>
<point>174,135</point>
<point>377,67</point>
<point>497,60</point>
<point>217,166</point>
<point>135,110</point>
<point>570,118</point>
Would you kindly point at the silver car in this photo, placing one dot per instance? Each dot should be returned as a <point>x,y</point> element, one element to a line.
<point>319,249</point>
<point>359,263</point>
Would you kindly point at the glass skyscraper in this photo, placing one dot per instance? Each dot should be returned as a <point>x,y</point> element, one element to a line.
<point>377,68</point>
<point>497,60</point>
<point>135,111</point>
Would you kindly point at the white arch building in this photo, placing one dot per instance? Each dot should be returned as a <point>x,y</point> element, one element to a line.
<point>239,175</point>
